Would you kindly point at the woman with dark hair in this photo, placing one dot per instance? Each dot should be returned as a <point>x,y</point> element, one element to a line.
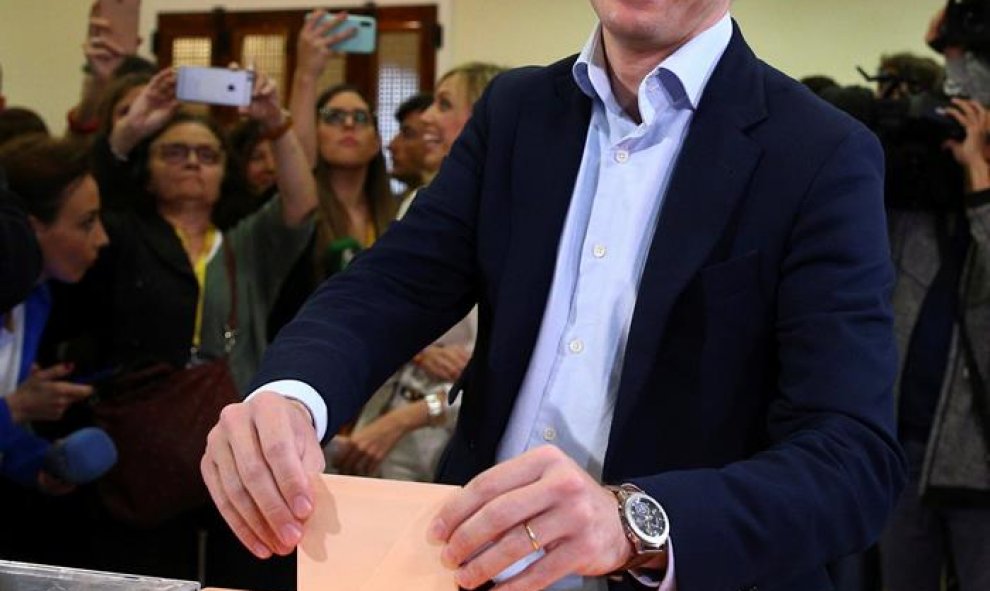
<point>355,199</point>
<point>18,121</point>
<point>117,98</point>
<point>338,130</point>
<point>52,184</point>
<point>164,269</point>
<point>166,290</point>
<point>254,156</point>
<point>52,190</point>
<point>254,161</point>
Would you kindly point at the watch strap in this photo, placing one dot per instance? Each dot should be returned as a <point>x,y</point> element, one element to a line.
<point>641,554</point>
<point>434,409</point>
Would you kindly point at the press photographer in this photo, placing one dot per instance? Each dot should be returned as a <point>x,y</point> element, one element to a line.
<point>908,111</point>
<point>961,32</point>
<point>939,534</point>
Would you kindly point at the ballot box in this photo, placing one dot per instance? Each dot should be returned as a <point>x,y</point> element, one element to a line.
<point>19,576</point>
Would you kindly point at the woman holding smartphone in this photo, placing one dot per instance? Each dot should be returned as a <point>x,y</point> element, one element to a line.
<point>338,130</point>
<point>165,290</point>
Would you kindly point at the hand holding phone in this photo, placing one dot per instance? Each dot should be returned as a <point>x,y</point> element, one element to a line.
<point>123,17</point>
<point>215,86</point>
<point>150,110</point>
<point>362,41</point>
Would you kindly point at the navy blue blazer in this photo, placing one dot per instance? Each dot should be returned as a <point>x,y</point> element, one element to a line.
<point>755,399</point>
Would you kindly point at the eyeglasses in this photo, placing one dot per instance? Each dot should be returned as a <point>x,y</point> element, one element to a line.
<point>179,153</point>
<point>339,117</point>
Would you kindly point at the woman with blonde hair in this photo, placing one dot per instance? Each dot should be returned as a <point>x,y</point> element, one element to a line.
<point>403,429</point>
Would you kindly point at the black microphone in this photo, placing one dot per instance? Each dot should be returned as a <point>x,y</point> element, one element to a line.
<point>82,457</point>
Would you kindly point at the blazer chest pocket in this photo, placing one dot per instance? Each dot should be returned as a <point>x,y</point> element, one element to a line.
<point>728,278</point>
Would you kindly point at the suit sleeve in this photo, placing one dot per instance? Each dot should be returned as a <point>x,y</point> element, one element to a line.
<point>833,469</point>
<point>395,298</point>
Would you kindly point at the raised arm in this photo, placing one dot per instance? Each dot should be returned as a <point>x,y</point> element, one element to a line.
<point>103,56</point>
<point>312,55</point>
<point>296,185</point>
<point>149,111</point>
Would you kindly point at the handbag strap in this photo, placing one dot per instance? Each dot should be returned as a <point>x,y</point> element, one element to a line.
<point>230,329</point>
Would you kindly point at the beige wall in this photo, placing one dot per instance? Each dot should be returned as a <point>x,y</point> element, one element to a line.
<point>41,56</point>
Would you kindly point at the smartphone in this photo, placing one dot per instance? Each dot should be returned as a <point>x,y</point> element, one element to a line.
<point>214,86</point>
<point>363,41</point>
<point>124,16</point>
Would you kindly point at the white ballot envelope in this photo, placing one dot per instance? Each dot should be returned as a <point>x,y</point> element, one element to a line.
<point>369,534</point>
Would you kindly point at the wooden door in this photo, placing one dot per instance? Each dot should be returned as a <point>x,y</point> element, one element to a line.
<point>403,63</point>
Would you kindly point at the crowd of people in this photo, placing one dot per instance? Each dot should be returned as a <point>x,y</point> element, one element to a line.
<point>141,236</point>
<point>651,306</point>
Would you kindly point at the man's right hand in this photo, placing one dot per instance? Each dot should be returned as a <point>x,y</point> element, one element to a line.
<point>258,463</point>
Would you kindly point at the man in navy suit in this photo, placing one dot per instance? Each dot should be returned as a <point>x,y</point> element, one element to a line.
<point>685,357</point>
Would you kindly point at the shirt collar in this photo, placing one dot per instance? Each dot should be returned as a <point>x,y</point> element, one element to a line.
<point>691,65</point>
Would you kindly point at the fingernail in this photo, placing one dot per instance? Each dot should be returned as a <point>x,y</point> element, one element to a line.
<point>447,562</point>
<point>301,506</point>
<point>262,551</point>
<point>436,531</point>
<point>291,533</point>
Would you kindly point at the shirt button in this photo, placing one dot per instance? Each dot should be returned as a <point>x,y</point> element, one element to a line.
<point>549,434</point>
<point>599,251</point>
<point>621,156</point>
<point>576,346</point>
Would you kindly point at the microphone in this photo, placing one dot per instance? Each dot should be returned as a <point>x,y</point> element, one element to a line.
<point>82,457</point>
<point>339,254</point>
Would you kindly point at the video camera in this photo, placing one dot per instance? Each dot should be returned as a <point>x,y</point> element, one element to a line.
<point>967,25</point>
<point>912,126</point>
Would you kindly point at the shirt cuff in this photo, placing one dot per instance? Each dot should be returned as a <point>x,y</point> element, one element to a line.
<point>649,579</point>
<point>305,394</point>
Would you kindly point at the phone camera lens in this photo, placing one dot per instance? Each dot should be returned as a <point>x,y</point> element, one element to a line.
<point>230,88</point>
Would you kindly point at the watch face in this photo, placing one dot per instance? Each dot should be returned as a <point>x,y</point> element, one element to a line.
<point>647,519</point>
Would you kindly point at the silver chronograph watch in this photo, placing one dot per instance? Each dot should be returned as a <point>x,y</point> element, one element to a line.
<point>644,521</point>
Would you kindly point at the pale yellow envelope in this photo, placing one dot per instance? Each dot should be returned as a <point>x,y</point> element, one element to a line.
<point>369,534</point>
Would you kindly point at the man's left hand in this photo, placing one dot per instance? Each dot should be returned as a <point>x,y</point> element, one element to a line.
<point>573,519</point>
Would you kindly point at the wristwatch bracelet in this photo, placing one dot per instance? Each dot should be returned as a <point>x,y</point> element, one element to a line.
<point>435,411</point>
<point>644,523</point>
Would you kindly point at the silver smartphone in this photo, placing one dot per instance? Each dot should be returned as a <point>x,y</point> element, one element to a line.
<point>214,86</point>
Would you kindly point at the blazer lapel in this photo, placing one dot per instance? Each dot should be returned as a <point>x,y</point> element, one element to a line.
<point>708,183</point>
<point>546,165</point>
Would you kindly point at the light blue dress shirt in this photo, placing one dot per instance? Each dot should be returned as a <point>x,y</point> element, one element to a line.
<point>568,395</point>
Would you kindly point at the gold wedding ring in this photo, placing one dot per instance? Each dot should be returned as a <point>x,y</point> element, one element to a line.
<point>532,536</point>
